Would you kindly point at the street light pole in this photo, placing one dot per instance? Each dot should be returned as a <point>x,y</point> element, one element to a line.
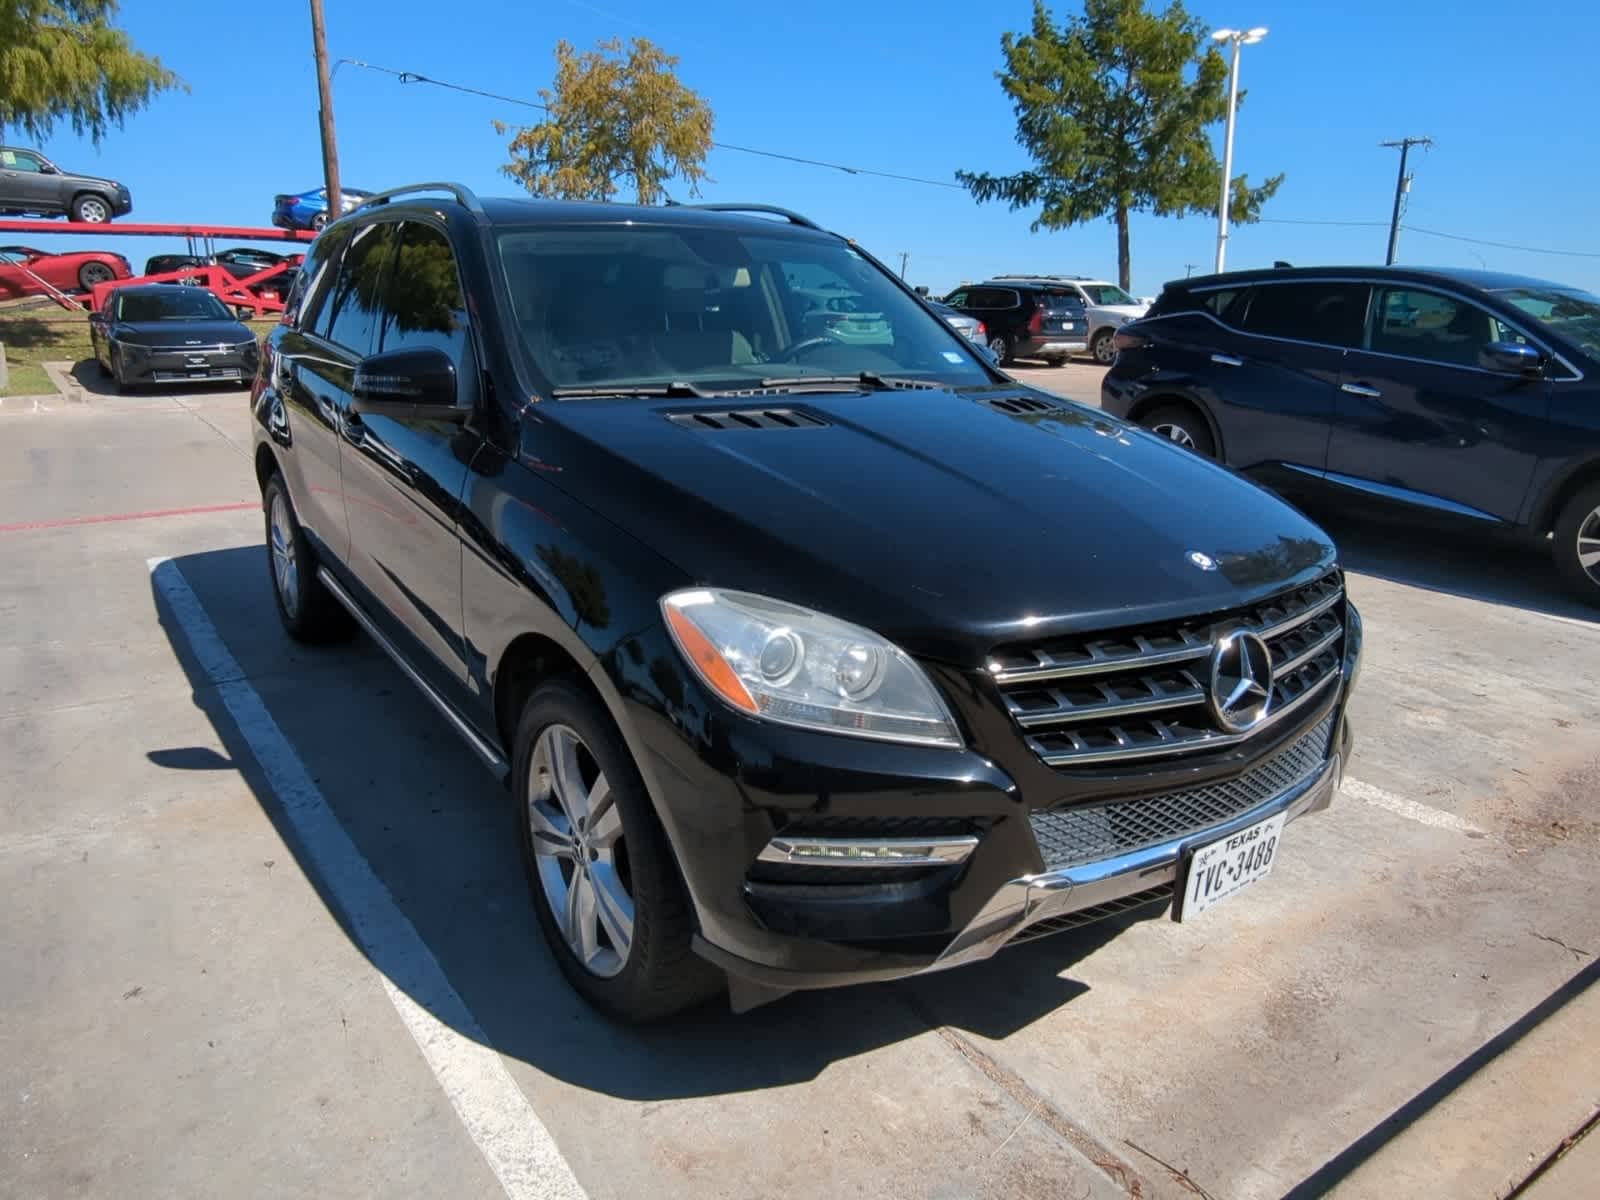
<point>1238,37</point>
<point>330,147</point>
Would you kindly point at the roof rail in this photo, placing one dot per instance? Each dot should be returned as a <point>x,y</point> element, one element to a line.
<point>1069,278</point>
<point>464,195</point>
<point>791,216</point>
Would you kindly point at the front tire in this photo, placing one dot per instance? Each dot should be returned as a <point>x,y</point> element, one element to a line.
<point>307,609</point>
<point>1103,348</point>
<point>1184,425</point>
<point>91,209</point>
<point>605,887</point>
<point>1577,543</point>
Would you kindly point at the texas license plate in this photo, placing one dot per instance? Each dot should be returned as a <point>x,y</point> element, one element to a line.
<point>1222,868</point>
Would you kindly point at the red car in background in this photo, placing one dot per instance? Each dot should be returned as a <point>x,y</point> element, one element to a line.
<point>25,271</point>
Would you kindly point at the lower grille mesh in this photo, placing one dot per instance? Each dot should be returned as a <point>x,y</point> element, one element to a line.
<point>1075,835</point>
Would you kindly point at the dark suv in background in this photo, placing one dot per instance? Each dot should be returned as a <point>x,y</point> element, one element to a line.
<point>782,640</point>
<point>1026,319</point>
<point>1464,395</point>
<point>31,183</point>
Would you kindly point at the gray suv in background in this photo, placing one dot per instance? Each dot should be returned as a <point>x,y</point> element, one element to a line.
<point>31,183</point>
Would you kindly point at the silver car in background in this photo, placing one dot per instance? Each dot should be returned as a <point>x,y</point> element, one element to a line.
<point>969,327</point>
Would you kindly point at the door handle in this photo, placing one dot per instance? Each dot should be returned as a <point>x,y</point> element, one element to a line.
<point>1227,360</point>
<point>1360,389</point>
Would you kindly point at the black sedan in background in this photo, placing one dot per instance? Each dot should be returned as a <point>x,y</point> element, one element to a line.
<point>1469,397</point>
<point>155,333</point>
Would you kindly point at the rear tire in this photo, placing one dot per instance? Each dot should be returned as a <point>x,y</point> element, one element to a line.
<point>1577,543</point>
<point>307,609</point>
<point>1184,425</point>
<point>318,220</point>
<point>593,848</point>
<point>1000,347</point>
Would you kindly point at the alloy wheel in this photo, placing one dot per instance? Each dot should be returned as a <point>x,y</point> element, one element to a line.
<point>1176,433</point>
<point>1105,351</point>
<point>1589,545</point>
<point>285,567</point>
<point>997,347</point>
<point>580,850</point>
<point>93,273</point>
<point>93,210</point>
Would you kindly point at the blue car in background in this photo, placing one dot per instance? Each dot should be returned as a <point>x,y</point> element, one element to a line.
<point>309,209</point>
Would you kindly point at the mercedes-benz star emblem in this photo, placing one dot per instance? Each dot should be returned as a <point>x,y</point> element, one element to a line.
<point>1204,561</point>
<point>1241,680</point>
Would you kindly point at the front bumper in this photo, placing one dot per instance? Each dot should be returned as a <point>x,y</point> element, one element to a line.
<point>186,366</point>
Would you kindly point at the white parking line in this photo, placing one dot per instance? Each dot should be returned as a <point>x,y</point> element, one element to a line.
<point>514,1142</point>
<point>1410,809</point>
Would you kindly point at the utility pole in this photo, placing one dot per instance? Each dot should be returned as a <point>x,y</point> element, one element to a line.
<point>905,257</point>
<point>330,148</point>
<point>1402,185</point>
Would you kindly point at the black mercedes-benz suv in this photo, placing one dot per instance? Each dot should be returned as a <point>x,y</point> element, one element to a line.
<point>807,660</point>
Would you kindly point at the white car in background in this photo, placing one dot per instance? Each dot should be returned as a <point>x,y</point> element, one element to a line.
<point>1109,308</point>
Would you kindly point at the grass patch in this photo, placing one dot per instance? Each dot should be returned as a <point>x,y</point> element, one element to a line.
<point>35,336</point>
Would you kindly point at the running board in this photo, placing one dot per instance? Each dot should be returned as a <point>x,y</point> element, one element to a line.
<point>490,756</point>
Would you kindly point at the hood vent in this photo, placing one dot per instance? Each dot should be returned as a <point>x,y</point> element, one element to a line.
<point>1017,405</point>
<point>750,418</point>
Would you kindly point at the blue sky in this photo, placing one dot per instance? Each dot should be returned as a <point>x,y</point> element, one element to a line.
<point>907,86</point>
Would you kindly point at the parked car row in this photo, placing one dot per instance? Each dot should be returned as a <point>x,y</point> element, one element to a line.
<point>1049,317</point>
<point>1465,396</point>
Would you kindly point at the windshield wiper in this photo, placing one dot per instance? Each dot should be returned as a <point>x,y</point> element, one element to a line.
<point>865,380</point>
<point>677,389</point>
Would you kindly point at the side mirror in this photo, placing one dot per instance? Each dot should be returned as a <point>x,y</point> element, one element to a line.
<point>408,385</point>
<point>49,169</point>
<point>1513,358</point>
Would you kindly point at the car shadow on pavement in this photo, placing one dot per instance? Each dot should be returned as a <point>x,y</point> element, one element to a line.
<point>438,832</point>
<point>1493,569</point>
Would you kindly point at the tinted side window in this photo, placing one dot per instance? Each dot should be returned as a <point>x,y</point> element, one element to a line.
<point>308,297</point>
<point>422,303</point>
<point>19,160</point>
<point>1426,325</point>
<point>353,304</point>
<point>1332,314</point>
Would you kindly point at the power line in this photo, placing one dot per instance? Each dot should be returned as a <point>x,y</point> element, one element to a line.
<point>417,77</point>
<point>1313,221</point>
<point>1456,237</point>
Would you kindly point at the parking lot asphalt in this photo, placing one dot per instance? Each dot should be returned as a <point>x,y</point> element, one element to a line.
<point>266,931</point>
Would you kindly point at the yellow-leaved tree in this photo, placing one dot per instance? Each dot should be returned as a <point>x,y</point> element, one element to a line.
<point>618,117</point>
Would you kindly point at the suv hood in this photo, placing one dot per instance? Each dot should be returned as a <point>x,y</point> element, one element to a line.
<point>943,523</point>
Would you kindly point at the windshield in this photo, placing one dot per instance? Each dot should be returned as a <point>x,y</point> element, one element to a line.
<point>1106,293</point>
<point>1571,313</point>
<point>180,304</point>
<point>640,307</point>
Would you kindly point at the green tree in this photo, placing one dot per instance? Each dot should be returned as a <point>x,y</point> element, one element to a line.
<point>61,60</point>
<point>615,118</point>
<point>1113,106</point>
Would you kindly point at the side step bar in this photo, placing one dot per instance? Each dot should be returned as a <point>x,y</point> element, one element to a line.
<point>490,756</point>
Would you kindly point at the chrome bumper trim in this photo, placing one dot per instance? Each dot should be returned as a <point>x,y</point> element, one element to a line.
<point>1033,898</point>
<point>869,852</point>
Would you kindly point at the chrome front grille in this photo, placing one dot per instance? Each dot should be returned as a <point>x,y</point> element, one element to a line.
<point>1069,836</point>
<point>1140,693</point>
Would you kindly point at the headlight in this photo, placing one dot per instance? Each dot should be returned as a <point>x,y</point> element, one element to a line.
<point>782,663</point>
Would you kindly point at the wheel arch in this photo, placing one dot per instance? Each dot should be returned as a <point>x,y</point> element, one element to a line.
<point>266,464</point>
<point>1556,496</point>
<point>1162,398</point>
<point>529,660</point>
<point>89,191</point>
